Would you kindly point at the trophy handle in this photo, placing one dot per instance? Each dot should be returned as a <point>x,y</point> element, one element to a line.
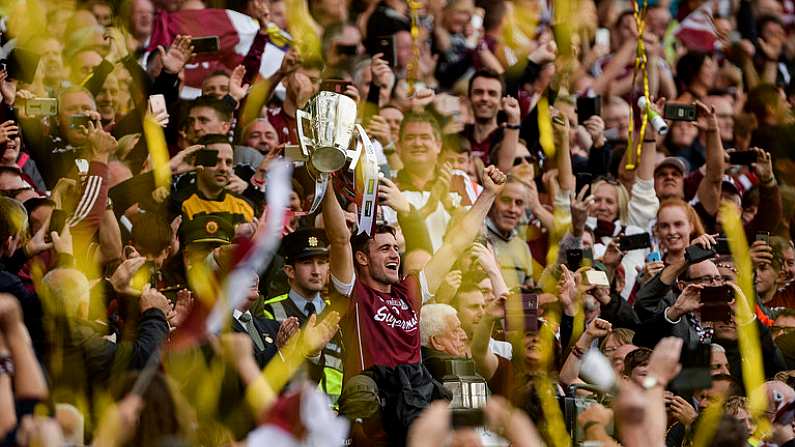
<point>361,145</point>
<point>303,141</point>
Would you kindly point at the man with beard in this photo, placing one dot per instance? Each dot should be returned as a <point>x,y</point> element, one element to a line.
<point>486,134</point>
<point>207,198</point>
<point>382,356</point>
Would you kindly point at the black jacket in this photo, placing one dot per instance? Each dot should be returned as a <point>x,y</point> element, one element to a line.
<point>650,304</point>
<point>268,329</point>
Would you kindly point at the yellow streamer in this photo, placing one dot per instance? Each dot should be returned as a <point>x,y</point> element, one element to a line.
<point>158,152</point>
<point>545,127</point>
<point>708,425</point>
<point>633,155</point>
<point>747,334</point>
<point>413,68</point>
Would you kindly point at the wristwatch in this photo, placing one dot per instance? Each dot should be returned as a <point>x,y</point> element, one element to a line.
<point>649,382</point>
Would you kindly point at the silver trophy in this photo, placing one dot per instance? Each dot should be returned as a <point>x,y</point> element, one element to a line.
<point>326,128</point>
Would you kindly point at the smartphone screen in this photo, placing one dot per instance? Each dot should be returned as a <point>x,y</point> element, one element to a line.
<point>715,303</point>
<point>588,106</point>
<point>208,44</point>
<point>743,158</point>
<point>528,313</point>
<point>206,157</point>
<point>679,112</point>
<point>57,222</point>
<point>386,46</point>
<point>634,241</point>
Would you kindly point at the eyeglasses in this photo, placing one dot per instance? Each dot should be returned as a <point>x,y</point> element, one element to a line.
<point>529,159</point>
<point>707,279</point>
<point>606,178</point>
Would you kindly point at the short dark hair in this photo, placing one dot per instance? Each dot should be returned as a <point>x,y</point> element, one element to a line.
<point>360,241</point>
<point>151,233</point>
<point>488,74</point>
<point>638,357</point>
<point>220,107</point>
<point>421,117</point>
<point>217,73</point>
<point>213,138</point>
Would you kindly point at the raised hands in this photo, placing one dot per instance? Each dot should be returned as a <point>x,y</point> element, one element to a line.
<point>389,195</point>
<point>512,111</point>
<point>381,73</point>
<point>493,180</point>
<point>287,329</point>
<point>237,89</point>
<point>177,55</point>
<point>688,301</point>
<point>317,334</point>
<point>8,131</point>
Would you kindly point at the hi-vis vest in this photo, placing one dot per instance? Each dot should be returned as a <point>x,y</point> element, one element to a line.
<point>331,382</point>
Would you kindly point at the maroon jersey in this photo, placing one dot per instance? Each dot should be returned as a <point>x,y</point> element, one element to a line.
<point>382,329</point>
<point>284,125</point>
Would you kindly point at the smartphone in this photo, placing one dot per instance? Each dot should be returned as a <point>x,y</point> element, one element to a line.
<point>744,158</point>
<point>596,278</point>
<point>584,178</point>
<point>602,37</point>
<point>334,85</point>
<point>588,106</point>
<point>763,236</point>
<point>206,157</point>
<point>696,372</point>
<point>722,246</point>
<point>574,258</point>
<point>57,223</point>
<point>654,256</point>
<point>207,44</point>
<point>634,241</point>
<point>21,64</point>
<point>150,267</point>
<point>386,46</point>
<point>680,112</point>
<point>157,104</point>
<point>470,417</point>
<point>528,313</point>
<point>347,50</point>
<point>715,303</point>
<point>41,107</point>
<point>696,253</point>
<point>604,228</point>
<point>77,121</point>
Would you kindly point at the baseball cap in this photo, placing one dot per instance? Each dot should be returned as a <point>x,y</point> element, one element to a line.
<point>304,243</point>
<point>677,162</point>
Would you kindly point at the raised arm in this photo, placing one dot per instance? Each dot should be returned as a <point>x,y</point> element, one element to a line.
<point>710,187</point>
<point>486,361</point>
<point>507,149</point>
<point>566,178</point>
<point>339,237</point>
<point>461,236</point>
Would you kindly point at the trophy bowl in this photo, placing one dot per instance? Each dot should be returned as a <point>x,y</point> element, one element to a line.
<point>333,118</point>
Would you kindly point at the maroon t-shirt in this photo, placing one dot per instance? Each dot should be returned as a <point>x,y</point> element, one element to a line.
<point>382,329</point>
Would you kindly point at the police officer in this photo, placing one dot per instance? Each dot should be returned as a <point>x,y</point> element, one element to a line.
<point>306,266</point>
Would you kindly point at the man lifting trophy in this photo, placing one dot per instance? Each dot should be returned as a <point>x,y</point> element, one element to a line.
<point>326,129</point>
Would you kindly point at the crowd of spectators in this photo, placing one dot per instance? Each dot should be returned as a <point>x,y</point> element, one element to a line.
<point>583,231</point>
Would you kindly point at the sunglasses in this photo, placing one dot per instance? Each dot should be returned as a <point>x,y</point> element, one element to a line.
<point>529,159</point>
